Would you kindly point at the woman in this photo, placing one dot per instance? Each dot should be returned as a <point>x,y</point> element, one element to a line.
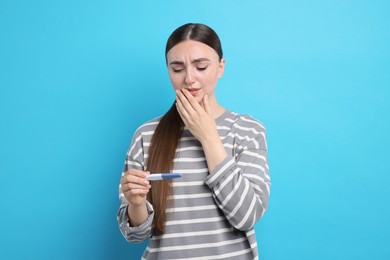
<point>210,212</point>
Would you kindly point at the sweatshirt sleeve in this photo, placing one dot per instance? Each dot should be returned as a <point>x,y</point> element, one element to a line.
<point>134,160</point>
<point>240,184</point>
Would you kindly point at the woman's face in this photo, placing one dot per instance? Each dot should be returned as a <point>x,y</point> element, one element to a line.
<point>196,67</point>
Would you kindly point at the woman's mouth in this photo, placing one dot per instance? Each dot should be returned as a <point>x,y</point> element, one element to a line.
<point>193,91</point>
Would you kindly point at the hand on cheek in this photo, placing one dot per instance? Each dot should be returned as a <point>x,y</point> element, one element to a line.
<point>197,117</point>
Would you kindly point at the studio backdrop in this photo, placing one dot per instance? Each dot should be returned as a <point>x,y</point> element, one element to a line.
<point>78,77</point>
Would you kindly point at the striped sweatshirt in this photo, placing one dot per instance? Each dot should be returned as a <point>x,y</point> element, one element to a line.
<point>211,215</point>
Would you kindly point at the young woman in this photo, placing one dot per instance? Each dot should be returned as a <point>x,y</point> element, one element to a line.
<point>210,212</point>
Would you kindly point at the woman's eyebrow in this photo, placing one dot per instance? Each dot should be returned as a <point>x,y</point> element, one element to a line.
<point>176,62</point>
<point>200,60</point>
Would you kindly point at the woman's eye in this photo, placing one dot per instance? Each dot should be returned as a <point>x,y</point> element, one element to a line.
<point>177,70</point>
<point>202,68</point>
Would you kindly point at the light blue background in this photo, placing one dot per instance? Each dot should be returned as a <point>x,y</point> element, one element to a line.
<point>78,77</point>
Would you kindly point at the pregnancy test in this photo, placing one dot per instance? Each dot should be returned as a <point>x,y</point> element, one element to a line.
<point>162,176</point>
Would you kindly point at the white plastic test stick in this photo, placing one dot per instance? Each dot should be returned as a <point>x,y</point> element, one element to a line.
<point>162,176</point>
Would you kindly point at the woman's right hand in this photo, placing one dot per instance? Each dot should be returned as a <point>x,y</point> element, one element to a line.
<point>135,186</point>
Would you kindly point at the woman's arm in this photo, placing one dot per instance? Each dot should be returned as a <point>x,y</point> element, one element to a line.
<point>135,214</point>
<point>240,185</point>
<point>201,123</point>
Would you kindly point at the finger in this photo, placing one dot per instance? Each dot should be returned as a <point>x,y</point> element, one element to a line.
<point>137,173</point>
<point>191,100</point>
<point>206,104</point>
<point>180,97</point>
<point>131,179</point>
<point>134,186</point>
<point>134,192</point>
<point>181,110</point>
<point>134,189</point>
<point>186,105</point>
<point>181,115</point>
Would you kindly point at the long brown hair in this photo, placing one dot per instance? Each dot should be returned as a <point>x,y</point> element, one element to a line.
<point>169,130</point>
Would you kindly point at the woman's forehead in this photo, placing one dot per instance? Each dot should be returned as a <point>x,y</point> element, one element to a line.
<point>192,50</point>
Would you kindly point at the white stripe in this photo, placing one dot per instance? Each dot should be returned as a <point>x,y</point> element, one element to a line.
<point>138,153</point>
<point>249,129</point>
<point>250,233</point>
<point>201,159</point>
<point>190,196</point>
<point>194,221</point>
<point>197,246</point>
<point>235,146</point>
<point>228,146</point>
<point>190,148</point>
<point>256,187</point>
<point>223,128</point>
<point>187,184</point>
<point>258,175</point>
<point>253,176</point>
<point>216,175</point>
<point>225,182</point>
<point>231,194</point>
<point>231,120</point>
<point>189,171</point>
<point>134,144</point>
<point>223,256</point>
<point>194,234</point>
<point>263,135</point>
<point>133,163</point>
<point>146,133</point>
<point>258,166</point>
<point>235,135</point>
<point>243,221</point>
<point>239,203</point>
<point>258,190</point>
<point>253,245</point>
<point>192,208</point>
<point>262,157</point>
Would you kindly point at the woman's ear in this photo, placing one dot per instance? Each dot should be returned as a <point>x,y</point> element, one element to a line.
<point>221,68</point>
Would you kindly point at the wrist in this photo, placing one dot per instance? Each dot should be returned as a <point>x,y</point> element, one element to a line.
<point>136,214</point>
<point>210,140</point>
<point>135,207</point>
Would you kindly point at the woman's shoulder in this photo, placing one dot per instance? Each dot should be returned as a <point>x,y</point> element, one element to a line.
<point>148,126</point>
<point>244,121</point>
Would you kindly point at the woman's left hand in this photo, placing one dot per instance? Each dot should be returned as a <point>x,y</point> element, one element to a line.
<point>197,117</point>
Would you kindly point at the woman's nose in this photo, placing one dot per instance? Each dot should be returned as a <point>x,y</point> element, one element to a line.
<point>189,77</point>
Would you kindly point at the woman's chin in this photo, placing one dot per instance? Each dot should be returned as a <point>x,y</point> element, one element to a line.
<point>199,98</point>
